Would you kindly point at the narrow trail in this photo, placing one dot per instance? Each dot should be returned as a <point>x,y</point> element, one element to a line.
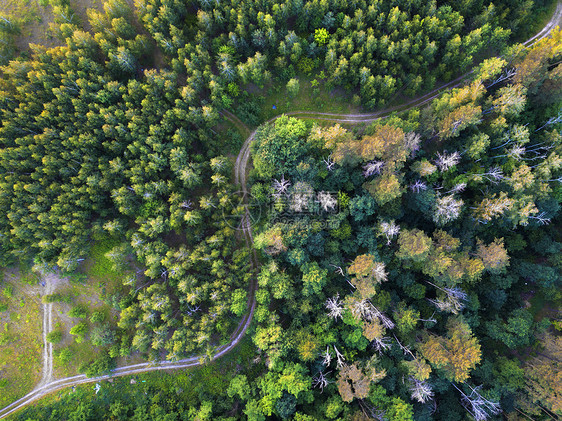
<point>49,385</point>
<point>47,374</point>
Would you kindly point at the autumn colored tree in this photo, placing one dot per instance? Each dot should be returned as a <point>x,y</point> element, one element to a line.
<point>544,376</point>
<point>271,241</point>
<point>492,207</point>
<point>354,380</point>
<point>494,255</point>
<point>368,273</point>
<point>459,119</point>
<point>510,100</point>
<point>414,245</point>
<point>385,143</point>
<point>456,354</point>
<point>384,188</point>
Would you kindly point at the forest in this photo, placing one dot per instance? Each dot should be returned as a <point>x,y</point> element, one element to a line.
<point>407,268</point>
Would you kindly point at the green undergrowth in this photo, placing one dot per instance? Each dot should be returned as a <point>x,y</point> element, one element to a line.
<point>189,390</point>
<point>87,302</point>
<point>98,266</point>
<point>20,336</point>
<point>257,107</point>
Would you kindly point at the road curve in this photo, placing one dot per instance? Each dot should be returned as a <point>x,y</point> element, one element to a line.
<point>45,388</point>
<point>555,21</point>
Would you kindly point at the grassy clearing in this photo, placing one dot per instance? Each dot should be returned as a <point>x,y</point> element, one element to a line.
<point>72,351</point>
<point>33,18</point>
<point>189,386</point>
<point>254,106</point>
<point>98,267</point>
<point>21,342</point>
<point>96,290</point>
<point>309,98</point>
<point>230,137</point>
<point>541,16</point>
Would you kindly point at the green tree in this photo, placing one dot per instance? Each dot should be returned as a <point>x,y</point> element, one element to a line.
<point>80,330</point>
<point>239,387</point>
<point>321,36</point>
<point>279,147</point>
<point>414,245</point>
<point>515,332</point>
<point>102,335</point>
<point>314,278</point>
<point>293,87</point>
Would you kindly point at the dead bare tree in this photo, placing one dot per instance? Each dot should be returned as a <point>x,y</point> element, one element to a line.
<point>447,209</point>
<point>333,305</point>
<point>371,311</point>
<point>453,301</point>
<point>418,186</point>
<point>326,357</point>
<point>372,168</point>
<point>431,319</point>
<point>541,218</point>
<point>381,344</point>
<point>552,120</point>
<point>281,186</point>
<point>372,412</point>
<point>320,380</point>
<point>412,142</point>
<point>338,270</point>
<point>493,175</point>
<point>389,230</point>
<point>340,358</point>
<point>326,200</point>
<point>505,75</point>
<point>445,161</point>
<point>420,391</point>
<point>477,405</point>
<point>457,188</point>
<point>329,163</point>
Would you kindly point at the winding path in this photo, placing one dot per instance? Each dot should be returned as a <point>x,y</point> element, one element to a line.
<point>48,385</point>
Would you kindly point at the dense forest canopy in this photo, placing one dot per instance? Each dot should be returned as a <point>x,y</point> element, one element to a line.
<point>435,221</point>
<point>396,260</point>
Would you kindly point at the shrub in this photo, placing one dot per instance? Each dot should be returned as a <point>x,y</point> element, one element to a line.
<point>101,365</point>
<point>306,65</point>
<point>53,298</point>
<point>293,87</point>
<point>102,335</point>
<point>64,355</point>
<point>8,291</point>
<point>54,337</point>
<point>79,331</point>
<point>5,339</point>
<point>97,317</point>
<point>78,311</point>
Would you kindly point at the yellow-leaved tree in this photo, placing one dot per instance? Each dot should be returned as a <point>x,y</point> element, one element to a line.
<point>456,354</point>
<point>367,274</point>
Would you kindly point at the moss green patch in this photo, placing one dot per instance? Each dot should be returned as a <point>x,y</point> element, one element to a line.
<point>101,267</point>
<point>313,95</point>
